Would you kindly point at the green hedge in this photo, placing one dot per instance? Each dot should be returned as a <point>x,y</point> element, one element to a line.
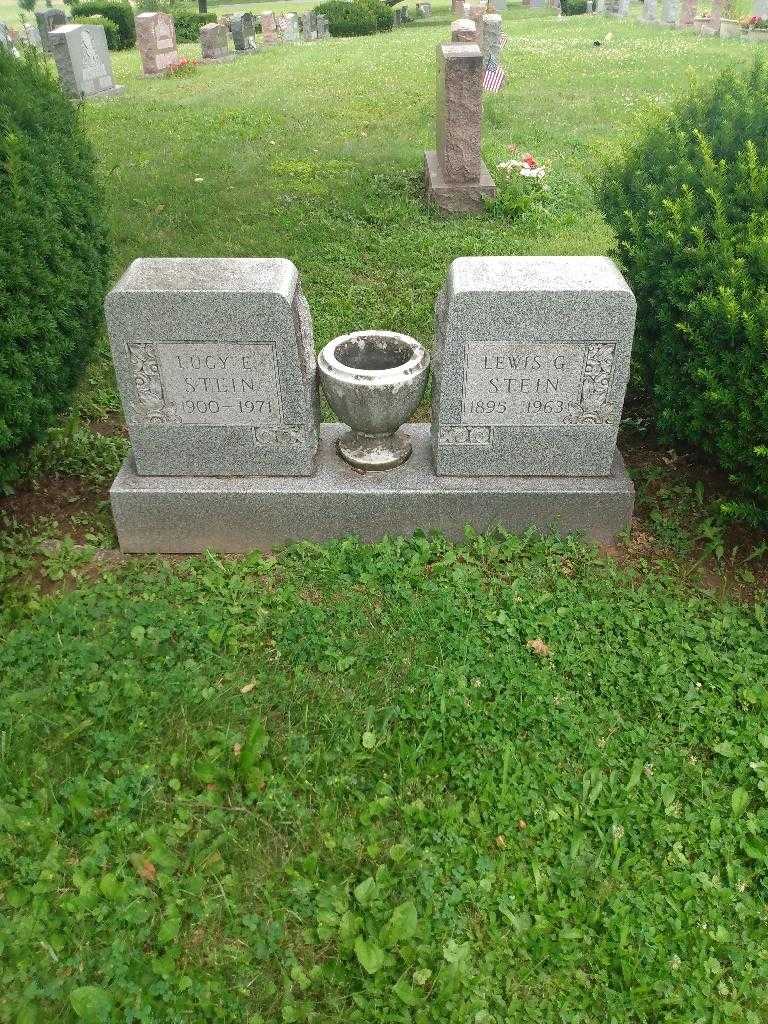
<point>384,15</point>
<point>348,19</point>
<point>53,254</point>
<point>573,7</point>
<point>117,11</point>
<point>688,201</point>
<point>111,30</point>
<point>187,19</point>
<point>188,22</point>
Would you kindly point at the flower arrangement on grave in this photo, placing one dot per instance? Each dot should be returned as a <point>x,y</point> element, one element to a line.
<point>754,21</point>
<point>183,66</point>
<point>527,166</point>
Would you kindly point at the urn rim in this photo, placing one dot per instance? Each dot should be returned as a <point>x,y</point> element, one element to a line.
<point>410,355</point>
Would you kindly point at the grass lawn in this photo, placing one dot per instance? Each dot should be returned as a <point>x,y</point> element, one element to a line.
<point>345,785</point>
<point>414,783</point>
<point>315,153</point>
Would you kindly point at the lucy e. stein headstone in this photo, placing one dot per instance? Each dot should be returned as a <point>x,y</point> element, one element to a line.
<point>531,366</point>
<point>216,367</point>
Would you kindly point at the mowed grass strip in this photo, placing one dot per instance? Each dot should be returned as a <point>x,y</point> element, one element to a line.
<point>413,782</point>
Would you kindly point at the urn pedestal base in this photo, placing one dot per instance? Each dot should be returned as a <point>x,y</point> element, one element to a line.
<point>190,514</point>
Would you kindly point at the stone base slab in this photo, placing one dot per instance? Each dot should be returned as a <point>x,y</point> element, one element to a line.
<point>185,514</point>
<point>453,197</point>
<point>105,94</point>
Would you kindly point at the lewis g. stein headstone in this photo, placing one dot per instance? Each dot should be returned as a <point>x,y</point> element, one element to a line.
<point>531,366</point>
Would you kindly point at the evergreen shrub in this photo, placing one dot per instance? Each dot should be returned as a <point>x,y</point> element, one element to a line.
<point>383,14</point>
<point>53,254</point>
<point>688,201</point>
<point>111,30</point>
<point>118,11</point>
<point>348,19</point>
<point>188,22</point>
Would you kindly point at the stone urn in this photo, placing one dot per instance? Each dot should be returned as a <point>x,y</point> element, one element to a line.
<point>374,381</point>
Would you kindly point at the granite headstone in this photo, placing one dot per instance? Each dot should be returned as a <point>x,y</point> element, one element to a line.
<point>457,180</point>
<point>83,61</point>
<point>216,367</point>
<point>531,366</point>
<point>269,32</point>
<point>47,20</point>
<point>214,43</point>
<point>243,29</point>
<point>491,38</point>
<point>156,40</point>
<point>463,30</point>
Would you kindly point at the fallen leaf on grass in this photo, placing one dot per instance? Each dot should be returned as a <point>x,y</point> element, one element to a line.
<point>144,868</point>
<point>248,687</point>
<point>538,646</point>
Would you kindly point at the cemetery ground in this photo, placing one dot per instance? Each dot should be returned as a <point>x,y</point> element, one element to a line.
<point>513,779</point>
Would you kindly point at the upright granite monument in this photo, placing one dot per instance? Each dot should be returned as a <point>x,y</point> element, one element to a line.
<point>243,28</point>
<point>288,26</point>
<point>7,42</point>
<point>156,40</point>
<point>269,32</point>
<point>687,14</point>
<point>491,38</point>
<point>216,367</point>
<point>309,26</point>
<point>531,367</point>
<point>47,20</point>
<point>463,30</point>
<point>217,374</point>
<point>83,61</point>
<point>456,177</point>
<point>214,43</point>
<point>323,27</point>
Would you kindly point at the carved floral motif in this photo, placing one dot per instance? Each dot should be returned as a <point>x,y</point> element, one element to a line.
<point>598,369</point>
<point>149,386</point>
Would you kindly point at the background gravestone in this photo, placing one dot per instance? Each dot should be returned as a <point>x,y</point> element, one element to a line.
<point>83,61</point>
<point>243,28</point>
<point>156,40</point>
<point>463,30</point>
<point>214,43</point>
<point>32,35</point>
<point>455,175</point>
<point>47,20</point>
<point>216,367</point>
<point>269,32</point>
<point>491,38</point>
<point>531,366</point>
<point>6,40</point>
<point>323,27</point>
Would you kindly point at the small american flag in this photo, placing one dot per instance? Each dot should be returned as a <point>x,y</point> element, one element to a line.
<point>503,40</point>
<point>495,76</point>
